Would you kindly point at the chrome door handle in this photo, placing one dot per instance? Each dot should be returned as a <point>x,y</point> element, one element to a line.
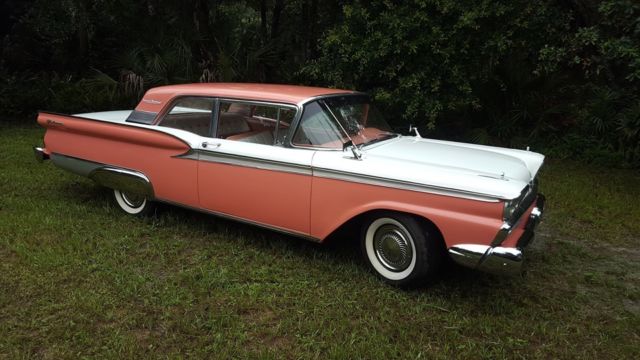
<point>206,144</point>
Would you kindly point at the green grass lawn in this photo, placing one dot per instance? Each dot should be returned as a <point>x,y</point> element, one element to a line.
<point>79,278</point>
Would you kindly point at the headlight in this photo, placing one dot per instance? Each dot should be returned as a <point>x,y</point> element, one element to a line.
<point>514,208</point>
<point>509,209</point>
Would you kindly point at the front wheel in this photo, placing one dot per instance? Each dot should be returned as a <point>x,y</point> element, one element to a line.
<point>401,249</point>
<point>134,204</point>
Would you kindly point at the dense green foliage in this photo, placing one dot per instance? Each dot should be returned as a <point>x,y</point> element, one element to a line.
<point>561,76</point>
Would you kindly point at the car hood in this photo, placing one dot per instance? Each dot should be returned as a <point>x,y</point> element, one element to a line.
<point>459,167</point>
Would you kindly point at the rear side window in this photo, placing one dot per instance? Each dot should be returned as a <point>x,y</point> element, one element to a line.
<point>192,114</point>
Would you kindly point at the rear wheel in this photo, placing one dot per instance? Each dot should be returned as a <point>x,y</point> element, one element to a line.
<point>400,248</point>
<point>134,204</point>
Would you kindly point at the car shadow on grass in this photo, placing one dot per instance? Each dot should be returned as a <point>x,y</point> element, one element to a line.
<point>486,293</point>
<point>455,285</point>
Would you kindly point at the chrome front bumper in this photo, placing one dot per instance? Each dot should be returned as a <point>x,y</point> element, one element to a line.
<point>40,154</point>
<point>494,258</point>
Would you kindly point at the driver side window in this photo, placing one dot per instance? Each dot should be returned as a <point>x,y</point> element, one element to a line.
<point>317,129</point>
<point>254,123</point>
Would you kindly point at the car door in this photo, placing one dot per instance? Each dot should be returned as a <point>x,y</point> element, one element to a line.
<point>188,118</point>
<point>244,172</point>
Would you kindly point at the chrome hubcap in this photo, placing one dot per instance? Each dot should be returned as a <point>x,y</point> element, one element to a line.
<point>393,248</point>
<point>133,200</point>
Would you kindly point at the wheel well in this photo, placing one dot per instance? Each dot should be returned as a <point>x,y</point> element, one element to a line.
<point>354,224</point>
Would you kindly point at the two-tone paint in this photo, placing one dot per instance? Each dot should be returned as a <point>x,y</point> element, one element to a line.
<point>460,188</point>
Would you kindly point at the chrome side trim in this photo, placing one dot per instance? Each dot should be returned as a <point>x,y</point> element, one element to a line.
<point>258,163</point>
<point>243,220</point>
<point>247,161</point>
<point>136,182</point>
<point>108,176</point>
<point>399,184</point>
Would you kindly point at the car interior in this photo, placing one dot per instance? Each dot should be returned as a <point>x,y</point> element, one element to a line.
<point>258,124</point>
<point>253,123</point>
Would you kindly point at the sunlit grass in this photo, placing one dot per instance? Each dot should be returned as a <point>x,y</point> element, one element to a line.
<point>79,278</point>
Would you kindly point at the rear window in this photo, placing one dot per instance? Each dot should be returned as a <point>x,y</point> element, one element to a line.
<point>142,117</point>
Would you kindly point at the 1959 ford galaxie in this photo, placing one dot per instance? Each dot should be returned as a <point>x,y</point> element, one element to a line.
<point>307,161</point>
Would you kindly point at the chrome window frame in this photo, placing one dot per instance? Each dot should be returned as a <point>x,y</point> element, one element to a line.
<point>278,105</point>
<point>301,106</point>
<point>171,104</point>
<point>298,107</point>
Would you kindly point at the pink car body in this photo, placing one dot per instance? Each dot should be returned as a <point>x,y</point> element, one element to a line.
<point>307,161</point>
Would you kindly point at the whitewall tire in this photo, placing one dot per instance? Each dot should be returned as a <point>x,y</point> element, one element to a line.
<point>401,249</point>
<point>133,204</point>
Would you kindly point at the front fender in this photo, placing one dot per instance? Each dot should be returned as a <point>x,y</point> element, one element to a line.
<point>335,202</point>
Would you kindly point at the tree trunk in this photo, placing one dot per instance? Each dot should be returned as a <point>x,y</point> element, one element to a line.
<point>306,41</point>
<point>206,49</point>
<point>201,18</point>
<point>275,21</point>
<point>313,29</point>
<point>263,19</point>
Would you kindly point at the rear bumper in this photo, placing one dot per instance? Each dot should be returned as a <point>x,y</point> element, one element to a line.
<point>40,154</point>
<point>496,259</point>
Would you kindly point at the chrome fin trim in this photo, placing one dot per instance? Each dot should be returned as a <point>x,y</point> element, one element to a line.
<point>113,177</point>
<point>122,179</point>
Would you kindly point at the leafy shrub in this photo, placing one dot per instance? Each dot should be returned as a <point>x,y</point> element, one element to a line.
<point>560,76</point>
<point>25,93</point>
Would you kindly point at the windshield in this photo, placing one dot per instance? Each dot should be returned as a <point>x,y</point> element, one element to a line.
<point>331,122</point>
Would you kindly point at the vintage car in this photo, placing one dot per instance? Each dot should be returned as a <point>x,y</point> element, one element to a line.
<point>309,161</point>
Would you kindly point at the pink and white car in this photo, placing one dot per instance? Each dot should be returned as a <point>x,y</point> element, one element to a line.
<point>308,161</point>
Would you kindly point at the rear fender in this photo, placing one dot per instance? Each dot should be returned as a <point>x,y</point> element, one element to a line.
<point>109,176</point>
